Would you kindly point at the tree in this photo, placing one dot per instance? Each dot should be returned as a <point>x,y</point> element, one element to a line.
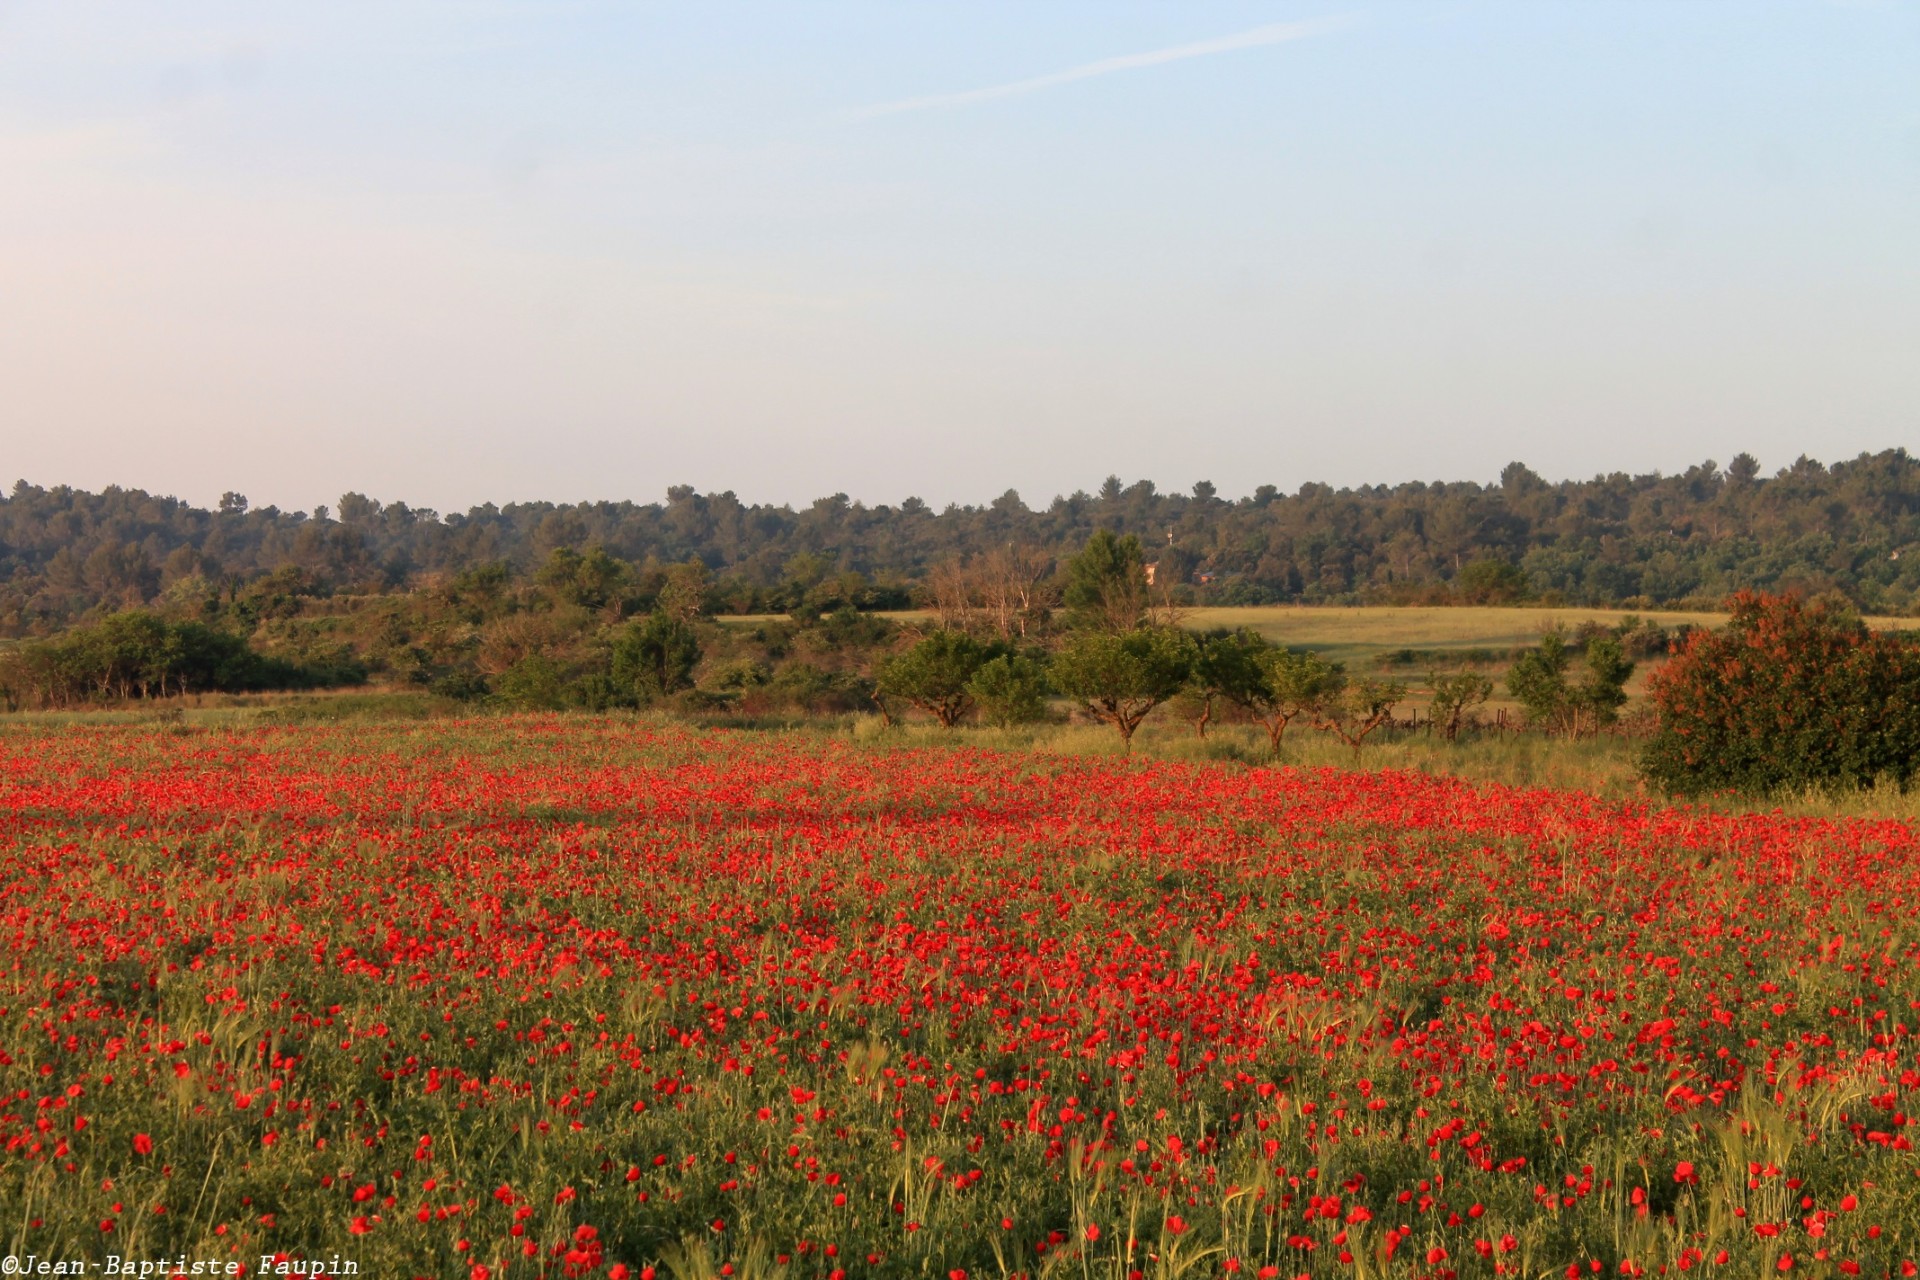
<point>1107,583</point>
<point>1016,589</point>
<point>1352,710</point>
<point>1194,704</point>
<point>950,592</point>
<point>1120,677</point>
<point>1604,689</point>
<point>1227,666</point>
<point>1293,682</point>
<point>1006,592</point>
<point>685,594</point>
<point>1168,593</point>
<point>1010,690</point>
<point>591,580</point>
<point>935,675</point>
<point>67,555</point>
<point>1490,581</point>
<point>655,656</point>
<point>1538,679</point>
<point>1454,698</point>
<point>137,654</point>
<point>1787,696</point>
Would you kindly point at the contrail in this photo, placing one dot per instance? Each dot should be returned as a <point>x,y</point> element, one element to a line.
<point>1273,33</point>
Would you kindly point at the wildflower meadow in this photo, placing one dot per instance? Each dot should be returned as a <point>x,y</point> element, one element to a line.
<point>576,997</point>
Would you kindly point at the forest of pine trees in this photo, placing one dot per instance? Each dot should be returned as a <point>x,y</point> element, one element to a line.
<point>1851,528</point>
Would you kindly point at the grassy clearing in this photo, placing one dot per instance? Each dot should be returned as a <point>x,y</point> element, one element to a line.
<point>1344,632</point>
<point>1359,635</point>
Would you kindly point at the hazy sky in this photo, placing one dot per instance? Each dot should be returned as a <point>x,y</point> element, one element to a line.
<point>460,252</point>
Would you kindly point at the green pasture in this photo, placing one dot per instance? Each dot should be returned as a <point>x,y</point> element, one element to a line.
<point>1358,635</point>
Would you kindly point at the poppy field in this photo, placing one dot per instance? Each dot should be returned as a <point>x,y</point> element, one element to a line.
<point>591,997</point>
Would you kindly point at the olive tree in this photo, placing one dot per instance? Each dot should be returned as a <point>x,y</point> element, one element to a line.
<point>936,675</point>
<point>1454,698</point>
<point>1352,709</point>
<point>1120,677</point>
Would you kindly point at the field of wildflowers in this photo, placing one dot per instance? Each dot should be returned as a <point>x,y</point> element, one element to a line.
<point>575,997</point>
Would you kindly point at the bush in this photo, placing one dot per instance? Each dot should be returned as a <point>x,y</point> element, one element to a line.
<point>597,691</point>
<point>654,656</point>
<point>1488,581</point>
<point>535,683</point>
<point>1788,696</point>
<point>1010,690</point>
<point>803,687</point>
<point>138,654</point>
<point>462,684</point>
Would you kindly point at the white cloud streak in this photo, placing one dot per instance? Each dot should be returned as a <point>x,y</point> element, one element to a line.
<point>1273,33</point>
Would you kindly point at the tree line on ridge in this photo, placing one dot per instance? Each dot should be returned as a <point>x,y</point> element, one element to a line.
<point>1690,538</point>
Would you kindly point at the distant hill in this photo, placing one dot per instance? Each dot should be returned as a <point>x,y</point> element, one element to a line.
<point>1852,527</point>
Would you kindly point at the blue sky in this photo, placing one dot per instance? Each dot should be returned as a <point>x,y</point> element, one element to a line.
<point>465,252</point>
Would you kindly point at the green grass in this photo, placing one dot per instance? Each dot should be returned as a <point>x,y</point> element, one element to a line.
<point>1360,632</point>
<point>235,711</point>
<point>1355,635</point>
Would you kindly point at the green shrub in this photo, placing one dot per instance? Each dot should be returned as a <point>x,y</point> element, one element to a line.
<point>655,656</point>
<point>463,684</point>
<point>139,654</point>
<point>535,683</point>
<point>1010,690</point>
